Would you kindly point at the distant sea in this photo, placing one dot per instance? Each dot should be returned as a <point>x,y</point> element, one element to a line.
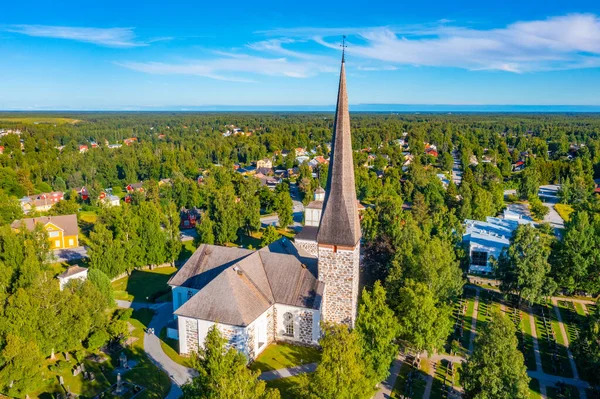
<point>382,108</point>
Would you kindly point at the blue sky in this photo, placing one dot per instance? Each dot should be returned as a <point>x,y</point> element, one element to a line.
<point>133,54</point>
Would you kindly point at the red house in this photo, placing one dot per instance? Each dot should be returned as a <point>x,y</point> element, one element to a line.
<point>189,218</point>
<point>83,193</point>
<point>135,187</point>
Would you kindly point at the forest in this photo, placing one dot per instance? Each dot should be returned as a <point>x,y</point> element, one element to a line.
<point>412,226</point>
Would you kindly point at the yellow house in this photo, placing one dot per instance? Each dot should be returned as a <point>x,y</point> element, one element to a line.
<point>264,163</point>
<point>62,230</point>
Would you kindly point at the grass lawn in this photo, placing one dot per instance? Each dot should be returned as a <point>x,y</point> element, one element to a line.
<point>187,249</point>
<point>143,285</point>
<point>528,337</point>
<point>282,355</point>
<point>287,386</point>
<point>443,376</point>
<point>571,393</point>
<point>468,318</point>
<point>565,367</point>
<point>144,373</point>
<point>417,387</point>
<point>39,119</point>
<point>564,211</point>
<point>171,348</point>
<point>534,389</point>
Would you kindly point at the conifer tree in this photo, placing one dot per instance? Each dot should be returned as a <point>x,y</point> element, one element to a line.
<point>377,328</point>
<point>496,369</point>
<point>222,373</point>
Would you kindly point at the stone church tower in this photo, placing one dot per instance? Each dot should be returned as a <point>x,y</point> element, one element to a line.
<point>338,237</point>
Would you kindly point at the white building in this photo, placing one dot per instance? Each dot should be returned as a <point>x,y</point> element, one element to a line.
<point>72,273</point>
<point>486,240</point>
<point>254,297</point>
<point>281,292</point>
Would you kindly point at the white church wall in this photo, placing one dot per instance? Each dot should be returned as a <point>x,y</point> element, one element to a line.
<point>180,296</point>
<point>306,324</point>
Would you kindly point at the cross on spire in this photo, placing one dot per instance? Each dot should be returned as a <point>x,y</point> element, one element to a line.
<point>343,46</point>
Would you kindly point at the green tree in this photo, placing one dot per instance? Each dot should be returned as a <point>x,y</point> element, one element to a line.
<point>496,369</point>
<point>587,347</point>
<point>171,224</point>
<point>523,268</point>
<point>576,260</point>
<point>341,372</point>
<point>377,328</point>
<point>284,207</point>
<point>424,322</point>
<point>104,287</point>
<point>222,373</point>
<point>152,237</point>
<point>537,207</point>
<point>269,236</point>
<point>529,183</point>
<point>204,229</point>
<point>104,254</point>
<point>20,366</point>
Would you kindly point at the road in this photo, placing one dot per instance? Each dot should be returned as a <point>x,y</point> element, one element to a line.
<point>70,254</point>
<point>297,210</point>
<point>456,169</point>
<point>549,196</point>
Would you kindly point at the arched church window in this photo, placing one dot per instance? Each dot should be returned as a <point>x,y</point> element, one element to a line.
<point>288,324</point>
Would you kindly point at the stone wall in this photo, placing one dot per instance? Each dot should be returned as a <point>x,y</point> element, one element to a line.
<point>271,324</point>
<point>191,335</point>
<point>339,269</point>
<point>309,246</point>
<point>305,324</point>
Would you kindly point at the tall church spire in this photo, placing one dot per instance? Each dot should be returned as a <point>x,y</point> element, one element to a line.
<point>340,224</point>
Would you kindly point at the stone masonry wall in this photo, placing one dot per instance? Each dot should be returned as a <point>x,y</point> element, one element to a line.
<point>339,270</point>
<point>271,324</point>
<point>305,324</point>
<point>191,334</point>
<point>309,246</point>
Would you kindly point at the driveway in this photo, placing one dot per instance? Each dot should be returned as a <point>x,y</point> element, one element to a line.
<point>70,254</point>
<point>188,235</point>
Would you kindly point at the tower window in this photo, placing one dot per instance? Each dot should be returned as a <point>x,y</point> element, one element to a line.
<point>288,324</point>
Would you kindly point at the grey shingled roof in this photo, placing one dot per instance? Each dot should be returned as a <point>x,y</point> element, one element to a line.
<point>68,223</point>
<point>71,271</point>
<point>340,224</point>
<point>307,233</point>
<point>238,285</point>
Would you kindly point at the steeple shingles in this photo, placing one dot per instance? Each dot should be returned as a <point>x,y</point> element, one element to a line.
<point>340,224</point>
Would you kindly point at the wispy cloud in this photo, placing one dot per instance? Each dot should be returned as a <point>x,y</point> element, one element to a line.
<point>233,67</point>
<point>108,37</point>
<point>564,42</point>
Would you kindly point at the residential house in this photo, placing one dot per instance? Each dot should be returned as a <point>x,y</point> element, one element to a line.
<point>72,273</point>
<point>518,166</point>
<point>62,230</point>
<point>188,218</point>
<point>41,202</point>
<point>264,163</point>
<point>83,193</point>
<point>83,148</point>
<point>135,187</point>
<point>130,141</point>
<point>106,198</point>
<point>1,149</point>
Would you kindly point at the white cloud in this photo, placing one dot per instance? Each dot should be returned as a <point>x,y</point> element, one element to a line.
<point>233,67</point>
<point>108,37</point>
<point>564,42</point>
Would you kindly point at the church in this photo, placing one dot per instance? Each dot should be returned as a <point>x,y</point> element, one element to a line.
<point>283,291</point>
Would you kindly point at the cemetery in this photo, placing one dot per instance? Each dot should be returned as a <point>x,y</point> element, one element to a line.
<point>119,371</point>
<point>537,326</point>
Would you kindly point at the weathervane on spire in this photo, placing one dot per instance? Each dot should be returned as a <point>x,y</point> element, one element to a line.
<point>343,46</point>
